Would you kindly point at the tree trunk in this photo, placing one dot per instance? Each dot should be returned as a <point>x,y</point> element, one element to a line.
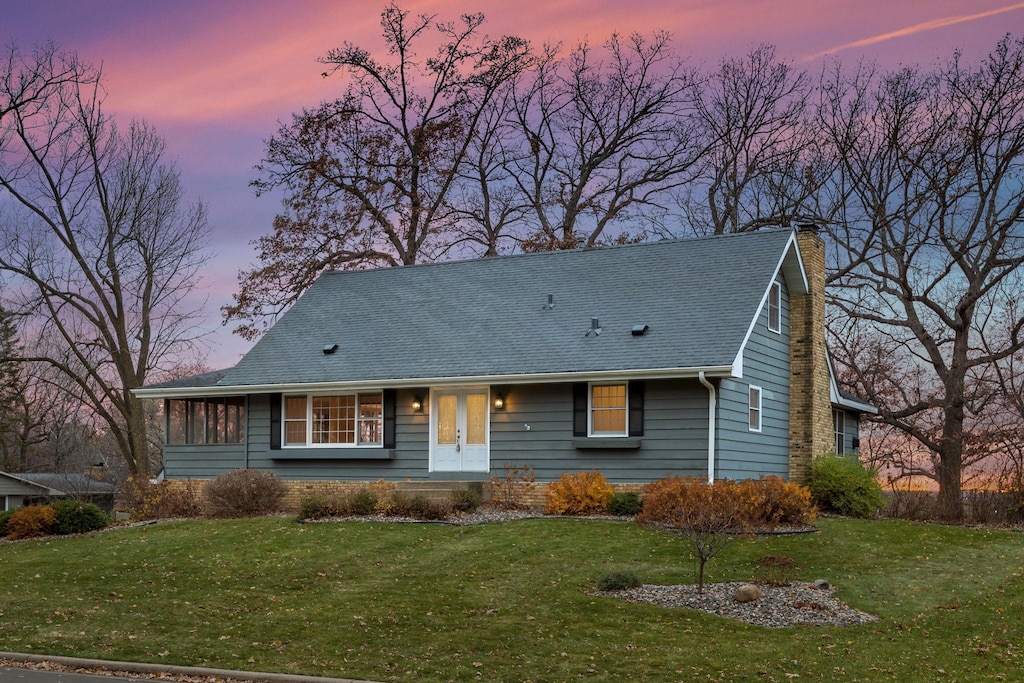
<point>950,468</point>
<point>138,461</point>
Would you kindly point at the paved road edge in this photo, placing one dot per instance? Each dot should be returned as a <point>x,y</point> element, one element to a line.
<point>139,667</point>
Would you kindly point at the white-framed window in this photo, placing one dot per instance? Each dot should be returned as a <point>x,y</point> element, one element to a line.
<point>775,307</point>
<point>839,423</point>
<point>608,410</point>
<point>334,420</point>
<point>754,408</point>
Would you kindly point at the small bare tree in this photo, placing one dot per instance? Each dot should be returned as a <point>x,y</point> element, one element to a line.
<point>708,516</point>
<point>100,255</point>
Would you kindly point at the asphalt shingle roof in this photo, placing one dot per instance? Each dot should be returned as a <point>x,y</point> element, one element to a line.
<point>487,317</point>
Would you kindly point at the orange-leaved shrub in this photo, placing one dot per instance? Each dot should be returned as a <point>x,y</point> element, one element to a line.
<point>690,501</point>
<point>31,521</point>
<point>579,493</point>
<point>736,506</point>
<point>773,501</point>
<point>143,499</point>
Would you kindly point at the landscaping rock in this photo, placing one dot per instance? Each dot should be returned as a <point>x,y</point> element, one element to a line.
<point>821,584</point>
<point>778,606</point>
<point>748,592</point>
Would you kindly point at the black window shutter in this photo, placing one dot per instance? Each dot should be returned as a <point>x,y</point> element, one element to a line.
<point>636,408</point>
<point>275,421</point>
<point>579,409</point>
<point>390,405</point>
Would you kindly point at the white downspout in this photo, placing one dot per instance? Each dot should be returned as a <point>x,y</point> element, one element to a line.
<point>712,397</point>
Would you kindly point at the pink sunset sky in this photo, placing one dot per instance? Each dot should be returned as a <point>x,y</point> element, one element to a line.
<point>214,78</point>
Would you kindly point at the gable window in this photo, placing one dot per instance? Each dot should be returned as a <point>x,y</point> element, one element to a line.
<point>775,307</point>
<point>839,422</point>
<point>608,406</point>
<point>754,408</point>
<point>206,420</point>
<point>335,420</point>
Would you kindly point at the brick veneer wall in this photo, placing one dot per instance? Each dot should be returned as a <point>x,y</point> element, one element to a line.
<point>535,495</point>
<point>810,408</point>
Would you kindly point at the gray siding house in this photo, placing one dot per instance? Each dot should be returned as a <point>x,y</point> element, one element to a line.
<point>701,357</point>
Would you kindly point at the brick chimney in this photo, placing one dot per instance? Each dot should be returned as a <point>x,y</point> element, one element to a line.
<point>810,407</point>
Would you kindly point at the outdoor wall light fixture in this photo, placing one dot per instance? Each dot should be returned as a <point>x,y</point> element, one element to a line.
<point>417,404</point>
<point>499,402</point>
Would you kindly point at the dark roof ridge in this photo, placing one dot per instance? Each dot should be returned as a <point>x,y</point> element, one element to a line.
<point>562,252</point>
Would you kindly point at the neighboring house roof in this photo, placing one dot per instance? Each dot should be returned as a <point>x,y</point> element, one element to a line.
<point>19,485</point>
<point>68,483</point>
<point>488,319</point>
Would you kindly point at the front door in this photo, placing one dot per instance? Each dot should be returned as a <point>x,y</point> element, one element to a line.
<point>458,430</point>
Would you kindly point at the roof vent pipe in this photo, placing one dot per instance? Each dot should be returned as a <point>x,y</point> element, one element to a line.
<point>595,328</point>
<point>550,304</point>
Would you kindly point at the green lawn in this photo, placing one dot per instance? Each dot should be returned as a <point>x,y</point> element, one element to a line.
<point>508,602</point>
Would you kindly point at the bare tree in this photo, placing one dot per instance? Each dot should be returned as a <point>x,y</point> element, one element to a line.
<point>929,242</point>
<point>491,214</point>
<point>761,168</point>
<point>101,255</point>
<point>605,136</point>
<point>369,178</point>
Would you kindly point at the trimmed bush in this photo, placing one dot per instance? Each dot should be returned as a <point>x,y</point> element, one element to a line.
<point>316,506</point>
<point>361,502</point>
<point>580,493</point>
<point>243,493</point>
<point>31,521</point>
<point>421,507</point>
<point>180,501</point>
<point>141,499</point>
<point>842,484</point>
<point>349,503</point>
<point>78,517</point>
<point>4,516</point>
<point>464,500</point>
<point>617,581</point>
<point>625,504</point>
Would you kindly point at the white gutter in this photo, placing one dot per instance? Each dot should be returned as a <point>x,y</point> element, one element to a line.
<point>712,398</point>
<point>593,376</point>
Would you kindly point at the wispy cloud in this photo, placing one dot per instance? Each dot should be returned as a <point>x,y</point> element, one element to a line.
<point>916,28</point>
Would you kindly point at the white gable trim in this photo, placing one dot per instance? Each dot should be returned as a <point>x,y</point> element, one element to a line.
<point>791,265</point>
<point>837,399</point>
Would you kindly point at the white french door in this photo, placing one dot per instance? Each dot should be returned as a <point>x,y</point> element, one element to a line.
<point>459,426</point>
